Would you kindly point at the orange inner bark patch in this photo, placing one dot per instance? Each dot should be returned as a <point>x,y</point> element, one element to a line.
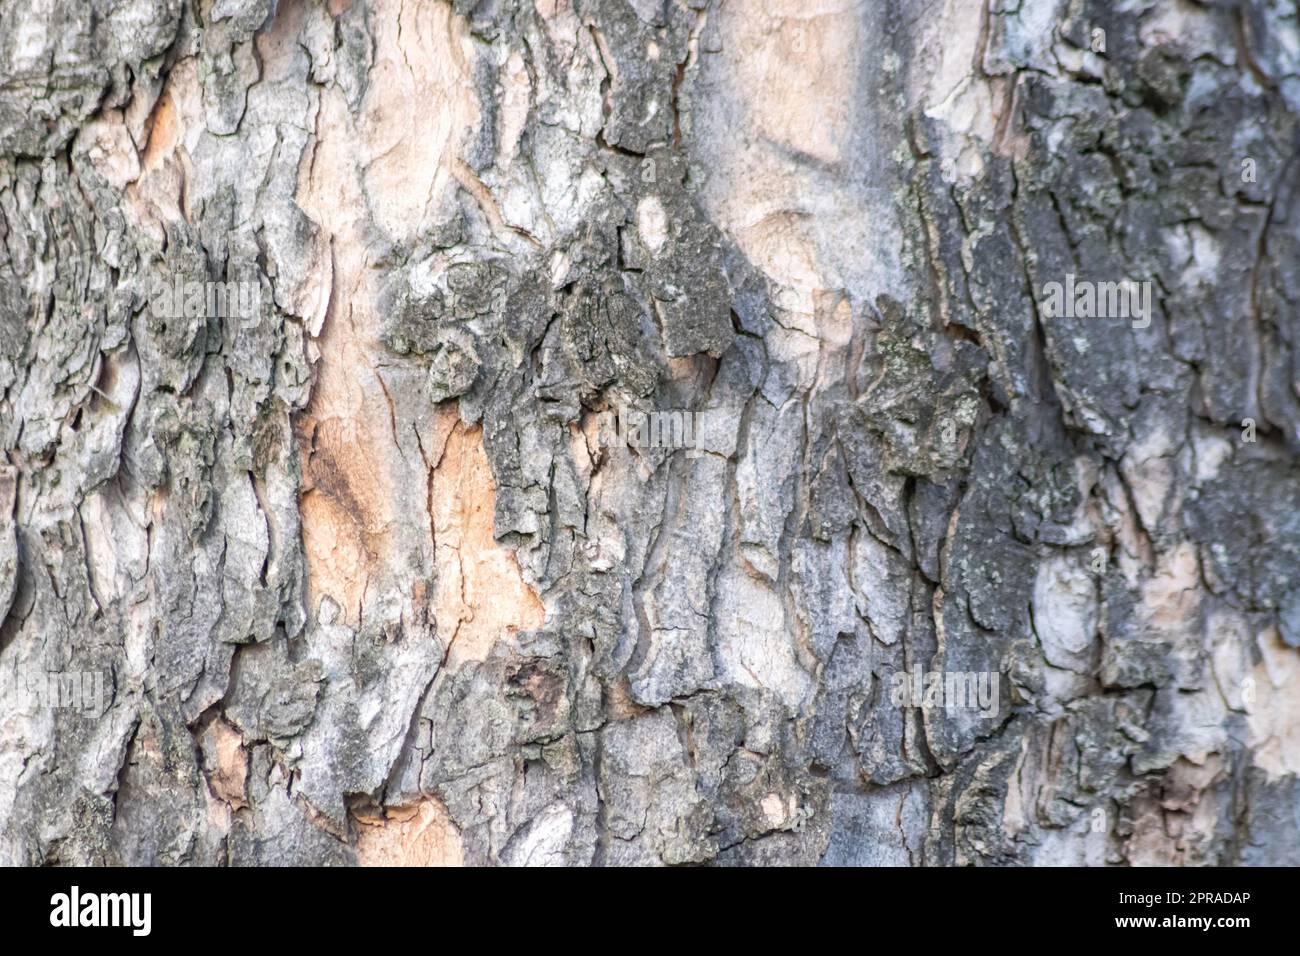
<point>163,129</point>
<point>345,509</point>
<point>162,192</point>
<point>230,770</point>
<point>419,834</point>
<point>406,152</point>
<point>481,594</point>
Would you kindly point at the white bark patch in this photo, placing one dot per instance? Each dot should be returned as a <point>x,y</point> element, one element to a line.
<point>1148,469</point>
<point>1171,600</point>
<point>1184,24</point>
<point>516,98</point>
<point>964,102</point>
<point>405,150</point>
<point>775,127</point>
<point>880,578</point>
<point>545,841</point>
<point>756,649</point>
<point>1065,613</point>
<point>1274,716</point>
<point>652,223</point>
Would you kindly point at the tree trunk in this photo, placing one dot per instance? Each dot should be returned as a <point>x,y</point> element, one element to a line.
<point>649,432</point>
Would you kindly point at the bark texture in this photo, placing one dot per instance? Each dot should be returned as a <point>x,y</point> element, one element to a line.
<point>364,583</point>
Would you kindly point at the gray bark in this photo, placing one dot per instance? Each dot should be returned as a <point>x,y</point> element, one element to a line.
<point>361,576</point>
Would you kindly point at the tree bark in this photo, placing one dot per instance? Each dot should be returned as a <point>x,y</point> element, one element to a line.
<point>383,570</point>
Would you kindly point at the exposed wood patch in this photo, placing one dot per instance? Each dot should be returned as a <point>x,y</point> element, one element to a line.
<point>418,834</point>
<point>481,594</point>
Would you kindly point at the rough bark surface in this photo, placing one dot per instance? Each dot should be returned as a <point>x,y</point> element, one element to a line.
<point>363,581</point>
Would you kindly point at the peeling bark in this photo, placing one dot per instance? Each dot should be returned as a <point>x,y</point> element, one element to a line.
<point>360,577</point>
